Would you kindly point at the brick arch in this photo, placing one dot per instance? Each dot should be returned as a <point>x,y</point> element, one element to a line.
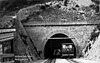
<point>62,32</point>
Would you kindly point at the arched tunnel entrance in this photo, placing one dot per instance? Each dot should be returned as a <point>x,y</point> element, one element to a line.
<point>59,46</point>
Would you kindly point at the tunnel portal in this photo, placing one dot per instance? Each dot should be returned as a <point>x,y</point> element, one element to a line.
<point>59,46</point>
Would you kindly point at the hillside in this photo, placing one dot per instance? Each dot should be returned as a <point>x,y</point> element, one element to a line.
<point>92,51</point>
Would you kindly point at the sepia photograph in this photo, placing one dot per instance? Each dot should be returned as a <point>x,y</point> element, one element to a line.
<point>49,31</point>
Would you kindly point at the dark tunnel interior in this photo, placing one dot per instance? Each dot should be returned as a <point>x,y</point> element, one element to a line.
<point>57,47</point>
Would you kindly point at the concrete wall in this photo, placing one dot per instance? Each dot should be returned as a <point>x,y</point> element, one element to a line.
<point>40,35</point>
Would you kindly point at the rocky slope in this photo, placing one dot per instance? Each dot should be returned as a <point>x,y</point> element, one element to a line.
<point>92,50</point>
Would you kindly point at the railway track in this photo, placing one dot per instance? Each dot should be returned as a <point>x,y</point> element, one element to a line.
<point>50,61</point>
<point>54,61</point>
<point>72,61</point>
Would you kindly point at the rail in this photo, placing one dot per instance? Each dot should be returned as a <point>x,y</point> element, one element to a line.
<point>69,60</point>
<point>6,55</point>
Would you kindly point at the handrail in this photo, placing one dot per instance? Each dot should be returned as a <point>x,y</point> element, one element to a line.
<point>6,55</point>
<point>7,38</point>
<point>3,30</point>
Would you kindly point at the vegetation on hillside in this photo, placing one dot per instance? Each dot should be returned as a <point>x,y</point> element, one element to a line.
<point>64,10</point>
